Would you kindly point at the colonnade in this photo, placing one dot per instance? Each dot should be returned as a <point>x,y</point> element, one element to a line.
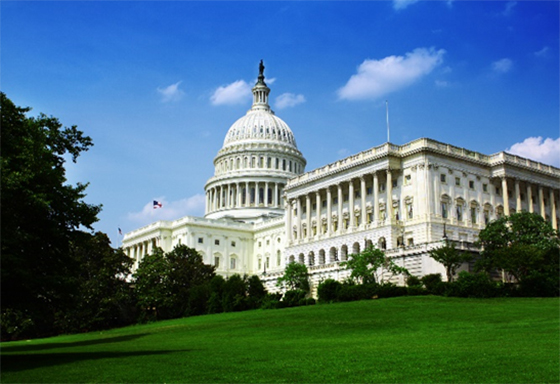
<point>339,221</point>
<point>244,194</point>
<point>141,249</point>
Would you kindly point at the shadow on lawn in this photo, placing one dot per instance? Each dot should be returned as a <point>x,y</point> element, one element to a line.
<point>85,343</point>
<point>22,362</point>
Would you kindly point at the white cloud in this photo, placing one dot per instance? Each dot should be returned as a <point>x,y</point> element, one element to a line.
<point>171,93</point>
<point>545,151</point>
<point>234,93</point>
<point>502,66</point>
<point>288,100</point>
<point>442,83</point>
<point>375,78</point>
<point>171,210</point>
<point>402,4</point>
<point>543,52</point>
<point>509,8</point>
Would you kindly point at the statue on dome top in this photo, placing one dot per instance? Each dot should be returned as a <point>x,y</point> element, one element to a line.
<point>261,69</point>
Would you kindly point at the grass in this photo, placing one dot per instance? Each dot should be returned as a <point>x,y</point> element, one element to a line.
<point>399,340</point>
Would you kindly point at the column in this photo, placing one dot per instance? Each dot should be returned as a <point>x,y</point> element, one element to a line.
<point>351,204</point>
<point>308,215</point>
<point>257,195</point>
<point>238,191</point>
<point>329,211</point>
<point>318,213</point>
<point>247,195</point>
<point>207,208</point>
<point>505,196</point>
<point>275,195</point>
<point>289,229</point>
<point>266,194</point>
<point>553,209</point>
<point>375,201</point>
<point>389,190</point>
<point>339,228</point>
<point>298,213</point>
<point>541,202</point>
<point>363,194</point>
<point>530,198</point>
<point>517,197</point>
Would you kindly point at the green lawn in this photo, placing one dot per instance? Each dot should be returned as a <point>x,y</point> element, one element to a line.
<point>399,340</point>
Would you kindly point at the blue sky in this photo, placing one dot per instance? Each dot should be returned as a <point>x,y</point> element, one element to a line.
<point>158,84</point>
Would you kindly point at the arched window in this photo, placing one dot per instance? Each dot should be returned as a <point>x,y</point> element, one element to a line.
<point>301,258</point>
<point>344,253</point>
<point>311,259</point>
<point>333,255</point>
<point>382,243</point>
<point>278,258</point>
<point>292,259</point>
<point>356,248</point>
<point>321,256</point>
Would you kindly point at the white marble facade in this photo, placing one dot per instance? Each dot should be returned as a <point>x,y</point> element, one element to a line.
<point>263,211</point>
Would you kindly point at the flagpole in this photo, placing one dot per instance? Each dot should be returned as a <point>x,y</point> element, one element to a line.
<point>387,114</point>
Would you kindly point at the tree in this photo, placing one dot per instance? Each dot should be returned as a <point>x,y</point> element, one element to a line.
<point>41,214</point>
<point>105,298</point>
<point>296,276</point>
<point>164,281</point>
<point>450,257</point>
<point>371,265</point>
<point>522,244</point>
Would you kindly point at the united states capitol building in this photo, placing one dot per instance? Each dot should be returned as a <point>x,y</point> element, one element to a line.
<point>263,210</point>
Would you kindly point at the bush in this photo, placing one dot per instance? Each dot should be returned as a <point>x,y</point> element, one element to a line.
<point>390,290</point>
<point>328,291</point>
<point>477,285</point>
<point>306,301</point>
<point>432,282</point>
<point>350,292</point>
<point>293,298</point>
<point>413,281</point>
<point>539,285</point>
<point>271,301</point>
<point>416,290</point>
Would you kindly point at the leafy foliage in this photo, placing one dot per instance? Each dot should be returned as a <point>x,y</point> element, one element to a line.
<point>522,245</point>
<point>41,215</point>
<point>296,277</point>
<point>370,266</point>
<point>164,281</point>
<point>450,257</point>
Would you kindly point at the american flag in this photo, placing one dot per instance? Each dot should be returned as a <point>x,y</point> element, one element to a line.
<point>157,204</point>
<point>120,232</point>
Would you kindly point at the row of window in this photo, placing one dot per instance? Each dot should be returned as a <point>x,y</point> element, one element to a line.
<point>259,162</point>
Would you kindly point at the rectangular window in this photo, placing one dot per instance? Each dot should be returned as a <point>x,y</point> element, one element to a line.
<point>395,184</point>
<point>217,262</point>
<point>442,178</point>
<point>444,210</point>
<point>471,184</point>
<point>357,194</point>
<point>473,215</point>
<point>216,242</point>
<point>346,197</point>
<point>324,203</point>
<point>484,187</point>
<point>314,206</point>
<point>459,213</point>
<point>335,200</point>
<point>407,180</point>
<point>232,263</point>
<point>409,211</point>
<point>233,243</point>
<point>382,187</point>
<point>458,181</point>
<point>260,244</point>
<point>369,190</point>
<point>497,190</point>
<point>200,240</point>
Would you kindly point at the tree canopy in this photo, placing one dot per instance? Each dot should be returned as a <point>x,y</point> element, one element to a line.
<point>370,266</point>
<point>41,213</point>
<point>522,244</point>
<point>296,276</point>
<point>450,257</point>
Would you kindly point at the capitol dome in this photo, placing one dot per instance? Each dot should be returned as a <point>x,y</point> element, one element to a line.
<point>257,158</point>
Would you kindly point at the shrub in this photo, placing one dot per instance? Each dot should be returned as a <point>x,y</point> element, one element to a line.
<point>432,282</point>
<point>328,291</point>
<point>271,301</point>
<point>307,301</point>
<point>390,290</point>
<point>416,290</point>
<point>413,281</point>
<point>350,292</point>
<point>477,285</point>
<point>539,285</point>
<point>293,297</point>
